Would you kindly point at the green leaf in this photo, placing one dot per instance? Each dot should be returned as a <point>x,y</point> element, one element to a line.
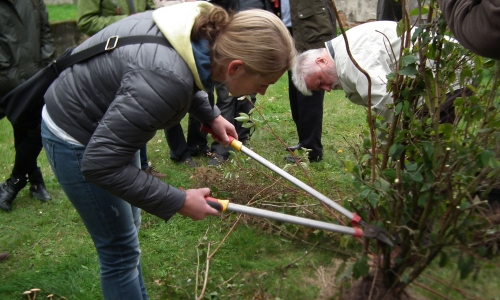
<point>411,167</point>
<point>398,108</point>
<point>465,265</point>
<point>485,157</point>
<point>395,150</point>
<point>364,193</point>
<point>390,174</point>
<point>360,267</point>
<point>408,60</point>
<point>465,205</point>
<point>348,165</point>
<point>248,125</point>
<point>373,199</point>
<point>443,259</point>
<point>416,176</point>
<point>409,70</point>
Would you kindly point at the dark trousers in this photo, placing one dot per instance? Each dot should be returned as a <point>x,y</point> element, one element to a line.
<point>230,108</point>
<point>28,145</point>
<point>180,148</point>
<point>144,158</point>
<point>307,113</point>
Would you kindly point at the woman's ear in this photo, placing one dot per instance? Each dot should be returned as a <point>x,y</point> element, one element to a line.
<point>235,67</point>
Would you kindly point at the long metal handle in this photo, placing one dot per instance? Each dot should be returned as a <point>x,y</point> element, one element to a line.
<point>223,205</point>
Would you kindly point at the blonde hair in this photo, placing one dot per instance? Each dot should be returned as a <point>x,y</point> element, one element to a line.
<point>256,37</point>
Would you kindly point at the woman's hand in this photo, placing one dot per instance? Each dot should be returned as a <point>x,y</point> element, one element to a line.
<point>223,128</point>
<point>195,206</point>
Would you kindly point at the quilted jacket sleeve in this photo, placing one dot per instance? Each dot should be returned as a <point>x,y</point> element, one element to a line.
<point>145,102</point>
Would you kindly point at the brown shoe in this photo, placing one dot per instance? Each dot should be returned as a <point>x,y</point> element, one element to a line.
<point>3,256</point>
<point>152,171</point>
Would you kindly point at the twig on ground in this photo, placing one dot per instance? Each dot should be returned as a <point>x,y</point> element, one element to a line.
<point>44,236</point>
<point>430,290</point>
<point>300,258</point>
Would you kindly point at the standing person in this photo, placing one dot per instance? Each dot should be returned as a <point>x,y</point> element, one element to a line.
<point>312,24</point>
<point>94,15</point>
<point>229,105</point>
<point>475,24</point>
<point>100,112</point>
<point>181,149</point>
<point>26,46</point>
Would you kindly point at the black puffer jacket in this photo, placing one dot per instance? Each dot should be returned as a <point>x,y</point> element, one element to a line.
<point>26,44</point>
<point>115,102</point>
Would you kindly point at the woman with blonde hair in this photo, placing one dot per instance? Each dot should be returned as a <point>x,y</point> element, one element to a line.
<point>100,112</point>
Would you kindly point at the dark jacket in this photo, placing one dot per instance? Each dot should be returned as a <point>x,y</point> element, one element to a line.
<point>114,104</point>
<point>475,24</point>
<point>313,23</point>
<point>26,44</point>
<point>251,4</point>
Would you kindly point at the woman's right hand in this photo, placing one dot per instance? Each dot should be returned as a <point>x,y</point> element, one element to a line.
<point>195,206</point>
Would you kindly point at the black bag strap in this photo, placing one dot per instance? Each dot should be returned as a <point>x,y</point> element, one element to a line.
<point>109,45</point>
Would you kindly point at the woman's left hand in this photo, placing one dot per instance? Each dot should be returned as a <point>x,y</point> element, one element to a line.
<point>223,128</point>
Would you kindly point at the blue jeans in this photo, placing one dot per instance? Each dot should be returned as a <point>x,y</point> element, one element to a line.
<point>112,222</point>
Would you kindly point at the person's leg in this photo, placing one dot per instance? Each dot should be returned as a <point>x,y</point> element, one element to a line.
<point>227,106</point>
<point>112,222</point>
<point>310,124</point>
<point>292,97</point>
<point>27,144</point>
<point>144,158</point>
<point>196,140</point>
<point>179,151</point>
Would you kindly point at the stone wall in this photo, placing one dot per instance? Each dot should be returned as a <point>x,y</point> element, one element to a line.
<point>66,35</point>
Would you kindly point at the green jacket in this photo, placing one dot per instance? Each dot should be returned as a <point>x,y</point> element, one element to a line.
<point>94,15</point>
<point>313,23</point>
<point>26,44</point>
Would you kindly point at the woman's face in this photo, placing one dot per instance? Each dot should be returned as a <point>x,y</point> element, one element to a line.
<point>239,83</point>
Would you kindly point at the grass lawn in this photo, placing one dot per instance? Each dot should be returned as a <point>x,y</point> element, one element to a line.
<point>61,12</point>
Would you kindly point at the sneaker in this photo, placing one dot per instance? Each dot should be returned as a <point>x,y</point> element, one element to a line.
<point>152,171</point>
<point>190,162</point>
<point>216,160</point>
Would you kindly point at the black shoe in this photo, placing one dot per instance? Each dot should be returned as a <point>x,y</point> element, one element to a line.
<point>3,256</point>
<point>7,195</point>
<point>293,160</point>
<point>190,162</point>
<point>216,160</point>
<point>294,148</point>
<point>38,191</point>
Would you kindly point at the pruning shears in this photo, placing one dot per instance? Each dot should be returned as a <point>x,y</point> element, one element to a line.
<point>370,231</point>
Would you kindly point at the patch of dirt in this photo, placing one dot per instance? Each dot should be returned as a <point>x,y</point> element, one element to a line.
<point>371,287</point>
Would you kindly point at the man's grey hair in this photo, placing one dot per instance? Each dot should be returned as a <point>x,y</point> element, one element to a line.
<point>305,65</point>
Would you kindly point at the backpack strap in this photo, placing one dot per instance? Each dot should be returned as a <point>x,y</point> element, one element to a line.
<point>112,43</point>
